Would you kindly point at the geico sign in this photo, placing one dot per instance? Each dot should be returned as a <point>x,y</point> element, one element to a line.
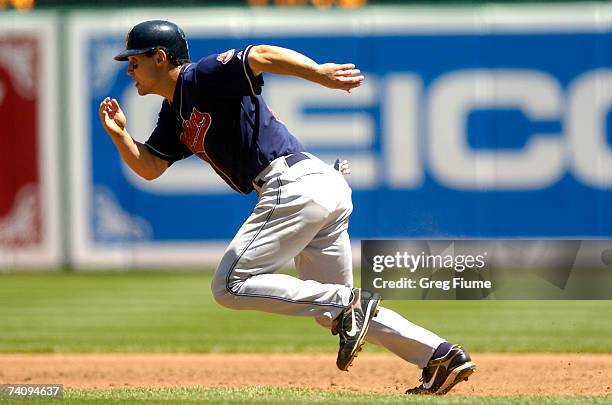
<point>425,129</point>
<point>582,109</point>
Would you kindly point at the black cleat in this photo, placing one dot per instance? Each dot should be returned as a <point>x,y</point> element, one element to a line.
<point>352,325</point>
<point>443,373</point>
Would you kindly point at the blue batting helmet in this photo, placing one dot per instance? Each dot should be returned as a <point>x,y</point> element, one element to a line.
<point>149,35</point>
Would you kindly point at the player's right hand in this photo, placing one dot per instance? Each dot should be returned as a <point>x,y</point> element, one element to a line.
<point>112,117</point>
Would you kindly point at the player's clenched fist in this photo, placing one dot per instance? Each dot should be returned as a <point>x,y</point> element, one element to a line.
<point>112,117</point>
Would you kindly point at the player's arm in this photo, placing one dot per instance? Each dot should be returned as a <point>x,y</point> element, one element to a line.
<point>273,59</point>
<point>133,153</point>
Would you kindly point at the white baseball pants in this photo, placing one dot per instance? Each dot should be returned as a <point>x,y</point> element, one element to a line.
<point>303,214</point>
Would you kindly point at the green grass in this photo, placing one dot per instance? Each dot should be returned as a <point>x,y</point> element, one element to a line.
<point>266,395</point>
<point>175,312</point>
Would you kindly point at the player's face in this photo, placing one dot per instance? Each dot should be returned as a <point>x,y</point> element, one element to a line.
<point>145,73</point>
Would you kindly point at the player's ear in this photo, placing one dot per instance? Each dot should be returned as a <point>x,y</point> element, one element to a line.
<point>161,56</point>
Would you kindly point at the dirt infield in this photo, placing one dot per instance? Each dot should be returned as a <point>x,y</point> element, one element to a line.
<point>497,374</point>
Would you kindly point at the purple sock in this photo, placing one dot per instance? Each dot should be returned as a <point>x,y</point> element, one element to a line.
<point>442,350</point>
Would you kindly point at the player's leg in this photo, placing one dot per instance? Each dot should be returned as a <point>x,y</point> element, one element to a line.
<point>287,217</point>
<point>328,259</point>
<point>333,267</point>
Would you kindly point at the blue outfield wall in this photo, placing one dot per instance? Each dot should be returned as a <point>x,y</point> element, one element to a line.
<point>462,130</point>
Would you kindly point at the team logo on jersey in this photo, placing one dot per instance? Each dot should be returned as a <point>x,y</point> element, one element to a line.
<point>194,130</point>
<point>226,56</point>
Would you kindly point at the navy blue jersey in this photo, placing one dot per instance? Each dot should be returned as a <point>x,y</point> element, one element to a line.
<point>219,115</point>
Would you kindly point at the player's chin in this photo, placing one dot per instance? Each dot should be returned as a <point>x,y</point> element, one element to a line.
<point>141,91</point>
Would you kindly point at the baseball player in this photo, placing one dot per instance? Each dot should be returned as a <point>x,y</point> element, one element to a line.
<point>213,109</point>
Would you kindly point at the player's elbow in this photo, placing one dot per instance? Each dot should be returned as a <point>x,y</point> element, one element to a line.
<point>149,175</point>
<point>151,168</point>
<point>145,164</point>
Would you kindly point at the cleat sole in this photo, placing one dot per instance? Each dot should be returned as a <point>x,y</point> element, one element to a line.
<point>458,375</point>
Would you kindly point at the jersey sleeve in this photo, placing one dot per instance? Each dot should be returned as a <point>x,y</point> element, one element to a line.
<point>228,74</point>
<point>165,141</point>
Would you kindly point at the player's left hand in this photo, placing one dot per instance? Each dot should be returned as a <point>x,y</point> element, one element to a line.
<point>343,77</point>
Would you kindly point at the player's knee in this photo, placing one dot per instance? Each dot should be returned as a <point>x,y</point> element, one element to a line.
<point>224,294</point>
<point>223,298</point>
<point>223,291</point>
